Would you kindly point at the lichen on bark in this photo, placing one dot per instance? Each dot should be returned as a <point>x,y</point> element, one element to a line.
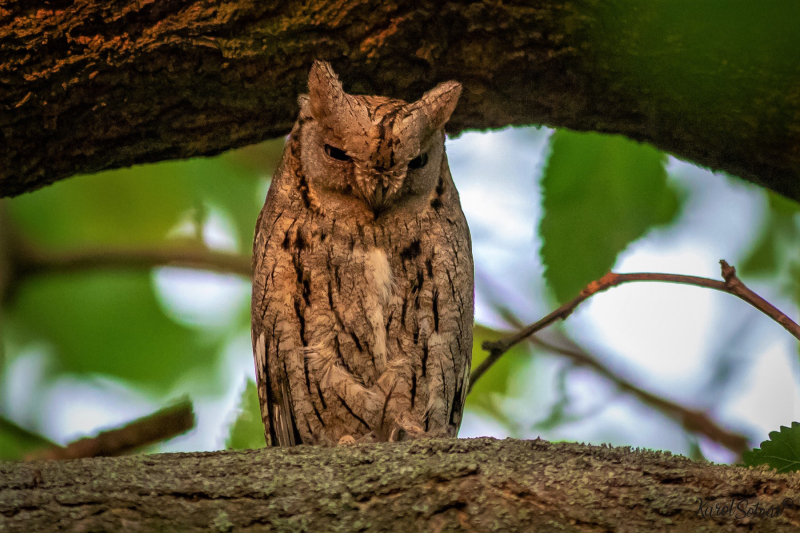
<point>428,485</point>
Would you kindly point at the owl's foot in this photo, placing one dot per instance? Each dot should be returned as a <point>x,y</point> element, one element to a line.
<point>346,440</point>
<point>349,440</point>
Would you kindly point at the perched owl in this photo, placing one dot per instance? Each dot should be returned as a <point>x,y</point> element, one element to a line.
<point>362,273</point>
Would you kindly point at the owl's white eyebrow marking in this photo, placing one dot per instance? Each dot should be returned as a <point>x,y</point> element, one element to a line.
<point>261,359</point>
<point>381,272</point>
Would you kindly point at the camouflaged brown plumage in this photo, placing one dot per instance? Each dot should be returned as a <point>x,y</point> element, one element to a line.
<point>363,278</point>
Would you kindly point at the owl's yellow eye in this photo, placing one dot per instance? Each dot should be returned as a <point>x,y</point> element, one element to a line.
<point>418,162</point>
<point>336,153</point>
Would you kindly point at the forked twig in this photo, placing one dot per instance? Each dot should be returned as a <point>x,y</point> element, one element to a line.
<point>731,284</point>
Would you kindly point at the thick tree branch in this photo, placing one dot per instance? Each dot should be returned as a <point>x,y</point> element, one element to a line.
<point>436,485</point>
<point>93,85</point>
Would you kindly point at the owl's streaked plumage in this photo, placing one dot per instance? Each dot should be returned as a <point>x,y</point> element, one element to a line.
<point>363,278</point>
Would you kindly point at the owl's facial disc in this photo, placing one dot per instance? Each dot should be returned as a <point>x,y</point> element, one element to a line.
<point>377,186</point>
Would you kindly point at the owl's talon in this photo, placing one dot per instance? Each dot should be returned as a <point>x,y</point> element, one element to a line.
<point>347,440</point>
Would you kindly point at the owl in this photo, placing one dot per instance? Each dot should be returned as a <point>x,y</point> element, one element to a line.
<point>362,306</point>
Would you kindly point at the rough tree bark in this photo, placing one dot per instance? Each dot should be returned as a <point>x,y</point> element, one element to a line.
<point>99,84</point>
<point>441,485</point>
<point>91,85</point>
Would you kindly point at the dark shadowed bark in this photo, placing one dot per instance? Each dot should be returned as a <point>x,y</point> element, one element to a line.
<point>92,85</point>
<point>439,485</point>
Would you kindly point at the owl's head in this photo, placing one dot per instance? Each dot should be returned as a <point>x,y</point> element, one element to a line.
<point>372,152</point>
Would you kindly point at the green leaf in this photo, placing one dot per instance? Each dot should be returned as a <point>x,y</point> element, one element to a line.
<point>499,382</point>
<point>775,250</point>
<point>763,257</point>
<point>16,442</point>
<point>110,323</point>
<point>781,452</point>
<point>247,432</point>
<point>600,193</point>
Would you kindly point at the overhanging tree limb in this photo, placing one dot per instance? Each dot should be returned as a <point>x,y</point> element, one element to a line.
<point>86,86</point>
<point>438,485</point>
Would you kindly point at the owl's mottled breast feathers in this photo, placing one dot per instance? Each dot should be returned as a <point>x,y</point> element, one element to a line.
<point>363,276</point>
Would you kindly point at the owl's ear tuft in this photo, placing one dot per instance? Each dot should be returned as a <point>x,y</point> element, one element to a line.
<point>430,113</point>
<point>329,104</point>
<point>324,90</point>
<point>440,102</point>
<point>436,105</point>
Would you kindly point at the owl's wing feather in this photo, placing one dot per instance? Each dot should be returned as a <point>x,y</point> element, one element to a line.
<point>276,412</point>
<point>263,335</point>
<point>262,382</point>
<point>268,311</point>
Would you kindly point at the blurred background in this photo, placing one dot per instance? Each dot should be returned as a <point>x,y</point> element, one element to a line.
<point>96,333</point>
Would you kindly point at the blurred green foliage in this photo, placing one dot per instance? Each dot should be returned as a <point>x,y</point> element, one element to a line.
<point>114,323</point>
<point>111,323</point>
<point>773,255</point>
<point>600,193</point>
<point>505,379</point>
<point>247,432</point>
<point>17,442</point>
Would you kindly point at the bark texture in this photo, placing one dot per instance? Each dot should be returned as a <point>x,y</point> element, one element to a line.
<point>93,85</point>
<point>436,485</point>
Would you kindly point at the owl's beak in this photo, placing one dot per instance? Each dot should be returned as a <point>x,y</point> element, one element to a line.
<point>381,191</point>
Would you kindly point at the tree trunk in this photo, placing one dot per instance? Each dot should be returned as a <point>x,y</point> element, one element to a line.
<point>437,485</point>
<point>100,84</point>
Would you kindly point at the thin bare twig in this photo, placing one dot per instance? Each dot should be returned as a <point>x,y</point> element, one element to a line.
<point>159,426</point>
<point>20,258</point>
<point>731,285</point>
<point>692,420</point>
<point>32,261</point>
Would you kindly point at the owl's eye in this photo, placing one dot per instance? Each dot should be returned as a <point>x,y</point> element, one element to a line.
<point>418,162</point>
<point>336,153</point>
